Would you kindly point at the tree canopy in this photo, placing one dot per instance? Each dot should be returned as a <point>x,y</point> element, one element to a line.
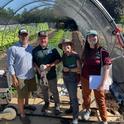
<point>114,7</point>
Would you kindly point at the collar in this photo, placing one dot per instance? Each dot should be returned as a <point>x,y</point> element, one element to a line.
<point>42,47</point>
<point>21,45</point>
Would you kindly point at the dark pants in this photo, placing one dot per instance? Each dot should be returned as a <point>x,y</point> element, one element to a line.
<point>52,86</point>
<point>70,80</point>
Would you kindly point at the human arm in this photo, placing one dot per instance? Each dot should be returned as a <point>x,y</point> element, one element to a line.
<point>10,65</point>
<point>49,66</point>
<point>15,81</point>
<point>37,69</point>
<point>105,74</point>
<point>35,61</point>
<point>105,68</point>
<point>56,60</point>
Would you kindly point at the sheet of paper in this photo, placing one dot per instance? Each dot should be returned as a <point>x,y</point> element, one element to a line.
<point>94,82</point>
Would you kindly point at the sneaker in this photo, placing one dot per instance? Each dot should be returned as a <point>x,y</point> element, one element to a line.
<point>86,114</point>
<point>25,120</point>
<point>30,107</point>
<point>104,122</point>
<point>69,111</point>
<point>57,111</point>
<point>75,121</point>
<point>51,99</point>
<point>45,106</point>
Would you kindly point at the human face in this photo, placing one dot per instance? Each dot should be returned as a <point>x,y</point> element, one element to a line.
<point>43,41</point>
<point>92,39</point>
<point>24,38</point>
<point>66,48</point>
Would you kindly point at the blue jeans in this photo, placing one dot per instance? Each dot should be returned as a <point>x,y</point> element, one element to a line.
<point>71,85</point>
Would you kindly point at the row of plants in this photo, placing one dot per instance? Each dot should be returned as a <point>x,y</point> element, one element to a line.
<point>9,34</point>
<point>58,36</point>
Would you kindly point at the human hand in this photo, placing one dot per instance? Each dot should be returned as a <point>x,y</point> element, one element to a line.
<point>15,82</point>
<point>48,67</point>
<point>65,69</point>
<point>76,70</point>
<point>100,88</point>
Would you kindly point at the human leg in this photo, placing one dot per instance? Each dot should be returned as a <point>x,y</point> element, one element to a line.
<point>71,85</point>
<point>100,99</point>
<point>32,86</point>
<point>22,94</point>
<point>22,91</point>
<point>45,97</point>
<point>45,93</point>
<point>86,93</point>
<point>54,91</point>
<point>21,106</point>
<point>66,83</point>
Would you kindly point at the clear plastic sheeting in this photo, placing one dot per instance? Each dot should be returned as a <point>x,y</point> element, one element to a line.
<point>88,14</point>
<point>19,5</point>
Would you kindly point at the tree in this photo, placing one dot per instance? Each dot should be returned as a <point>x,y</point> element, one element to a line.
<point>114,7</point>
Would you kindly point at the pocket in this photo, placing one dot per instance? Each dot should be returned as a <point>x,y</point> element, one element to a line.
<point>21,83</point>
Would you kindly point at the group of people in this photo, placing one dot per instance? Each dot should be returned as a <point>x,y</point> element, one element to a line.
<point>23,58</point>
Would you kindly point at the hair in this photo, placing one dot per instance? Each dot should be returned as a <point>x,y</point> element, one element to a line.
<point>87,48</point>
<point>71,44</point>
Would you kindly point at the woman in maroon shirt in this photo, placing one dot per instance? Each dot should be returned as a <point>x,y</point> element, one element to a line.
<point>92,57</point>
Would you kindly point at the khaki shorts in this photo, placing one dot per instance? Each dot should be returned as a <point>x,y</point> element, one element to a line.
<point>26,86</point>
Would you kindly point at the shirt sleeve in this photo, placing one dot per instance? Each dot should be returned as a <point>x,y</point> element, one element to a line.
<point>33,56</point>
<point>56,55</point>
<point>106,58</point>
<point>77,56</point>
<point>11,60</point>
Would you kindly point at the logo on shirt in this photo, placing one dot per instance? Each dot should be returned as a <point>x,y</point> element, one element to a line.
<point>49,51</point>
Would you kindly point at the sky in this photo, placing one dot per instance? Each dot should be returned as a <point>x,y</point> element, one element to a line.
<point>17,4</point>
